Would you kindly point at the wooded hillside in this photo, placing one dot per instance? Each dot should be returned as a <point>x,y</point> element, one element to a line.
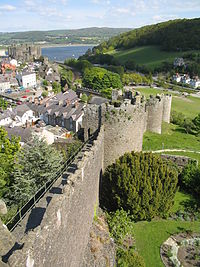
<point>173,35</point>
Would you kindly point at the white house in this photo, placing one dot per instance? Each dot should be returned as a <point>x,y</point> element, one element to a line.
<point>185,79</point>
<point>177,78</point>
<point>178,62</point>
<point>13,62</point>
<point>27,79</point>
<point>18,116</point>
<point>6,118</point>
<point>4,85</point>
<point>195,83</point>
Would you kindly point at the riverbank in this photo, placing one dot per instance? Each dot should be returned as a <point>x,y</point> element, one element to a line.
<point>65,45</point>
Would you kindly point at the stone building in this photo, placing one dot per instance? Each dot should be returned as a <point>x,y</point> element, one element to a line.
<point>24,52</point>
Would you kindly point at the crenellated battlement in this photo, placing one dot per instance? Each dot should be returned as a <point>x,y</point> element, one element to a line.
<point>126,124</point>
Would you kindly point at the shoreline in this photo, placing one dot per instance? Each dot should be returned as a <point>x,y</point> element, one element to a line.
<point>65,45</point>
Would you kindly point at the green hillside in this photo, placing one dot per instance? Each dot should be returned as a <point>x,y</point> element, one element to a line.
<point>150,56</point>
<point>173,35</point>
<point>82,36</point>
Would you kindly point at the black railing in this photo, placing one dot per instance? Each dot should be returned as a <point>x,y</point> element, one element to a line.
<point>22,212</point>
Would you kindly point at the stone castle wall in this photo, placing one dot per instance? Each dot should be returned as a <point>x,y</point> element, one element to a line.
<point>180,161</point>
<point>124,126</point>
<point>124,129</point>
<point>62,236</point>
<point>24,52</point>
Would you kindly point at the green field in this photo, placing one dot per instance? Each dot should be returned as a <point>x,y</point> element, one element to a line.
<point>150,56</point>
<point>172,137</point>
<point>150,236</point>
<point>180,200</point>
<point>189,106</point>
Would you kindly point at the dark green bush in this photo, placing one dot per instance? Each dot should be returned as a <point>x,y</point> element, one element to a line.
<point>141,183</point>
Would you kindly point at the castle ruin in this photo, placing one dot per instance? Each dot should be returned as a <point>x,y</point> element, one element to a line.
<point>61,235</point>
<point>24,52</point>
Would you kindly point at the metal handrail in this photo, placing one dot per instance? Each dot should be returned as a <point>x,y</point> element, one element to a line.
<point>18,217</point>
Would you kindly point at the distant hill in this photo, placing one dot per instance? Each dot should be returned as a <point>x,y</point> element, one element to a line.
<point>81,36</point>
<point>173,35</point>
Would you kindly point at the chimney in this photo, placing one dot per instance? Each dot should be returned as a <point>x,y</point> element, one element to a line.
<point>60,103</point>
<point>47,104</point>
<point>68,102</point>
<point>36,100</point>
<point>76,104</point>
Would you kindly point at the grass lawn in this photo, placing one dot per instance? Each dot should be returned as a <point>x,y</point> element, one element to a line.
<point>151,56</point>
<point>150,236</point>
<point>172,137</point>
<point>189,106</point>
<point>180,200</point>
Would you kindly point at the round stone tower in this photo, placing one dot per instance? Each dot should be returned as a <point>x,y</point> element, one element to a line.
<point>167,103</point>
<point>154,108</point>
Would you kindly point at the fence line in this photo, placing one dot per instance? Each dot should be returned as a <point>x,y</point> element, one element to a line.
<point>18,217</point>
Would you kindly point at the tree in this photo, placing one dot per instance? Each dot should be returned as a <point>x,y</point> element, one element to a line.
<point>84,98</point>
<point>67,78</point>
<point>196,122</point>
<point>188,125</point>
<point>45,83</point>
<point>190,178</point>
<point>142,183</point>
<point>45,93</point>
<point>100,79</point>
<point>56,87</point>
<point>36,164</point>
<point>8,149</point>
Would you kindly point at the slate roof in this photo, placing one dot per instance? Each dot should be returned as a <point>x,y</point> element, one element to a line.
<point>24,133</point>
<point>57,105</point>
<point>19,110</point>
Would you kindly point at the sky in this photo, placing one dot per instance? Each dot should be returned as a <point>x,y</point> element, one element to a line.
<point>24,15</point>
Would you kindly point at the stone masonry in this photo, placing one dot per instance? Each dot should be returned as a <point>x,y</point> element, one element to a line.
<point>125,125</point>
<point>60,238</point>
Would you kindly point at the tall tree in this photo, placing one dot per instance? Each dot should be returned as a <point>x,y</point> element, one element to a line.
<point>8,150</point>
<point>36,164</point>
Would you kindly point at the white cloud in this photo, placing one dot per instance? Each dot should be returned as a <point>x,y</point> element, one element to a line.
<point>100,2</point>
<point>7,8</point>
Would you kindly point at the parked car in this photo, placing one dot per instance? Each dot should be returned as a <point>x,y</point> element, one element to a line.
<point>24,96</point>
<point>19,102</point>
<point>9,91</point>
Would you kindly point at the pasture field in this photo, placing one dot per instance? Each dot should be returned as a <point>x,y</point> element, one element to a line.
<point>150,56</point>
<point>189,106</point>
<point>172,137</point>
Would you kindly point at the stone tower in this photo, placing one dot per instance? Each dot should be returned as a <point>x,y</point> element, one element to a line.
<point>154,108</point>
<point>167,102</point>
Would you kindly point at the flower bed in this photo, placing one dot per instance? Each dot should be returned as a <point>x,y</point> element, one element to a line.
<point>182,250</point>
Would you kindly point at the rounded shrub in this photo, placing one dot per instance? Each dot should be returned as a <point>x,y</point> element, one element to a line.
<point>142,183</point>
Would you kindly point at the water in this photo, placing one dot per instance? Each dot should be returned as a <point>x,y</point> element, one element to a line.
<point>62,53</point>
